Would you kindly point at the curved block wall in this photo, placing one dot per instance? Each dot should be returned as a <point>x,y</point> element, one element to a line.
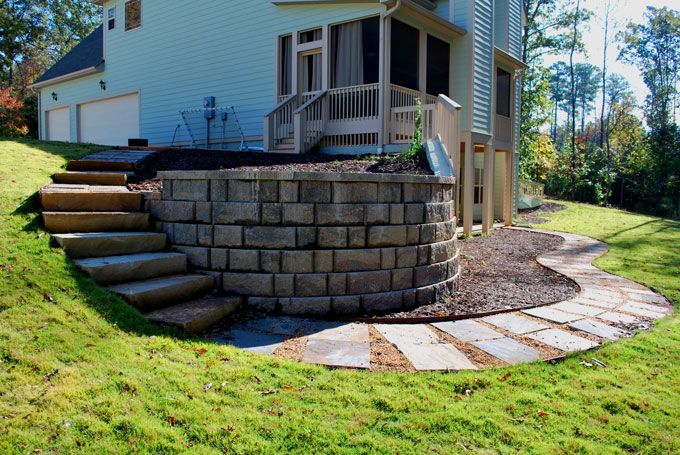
<point>316,243</point>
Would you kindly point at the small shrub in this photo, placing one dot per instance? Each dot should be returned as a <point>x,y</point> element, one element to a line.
<point>415,149</point>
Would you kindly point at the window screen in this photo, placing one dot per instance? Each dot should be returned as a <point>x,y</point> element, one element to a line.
<point>503,93</point>
<point>133,14</point>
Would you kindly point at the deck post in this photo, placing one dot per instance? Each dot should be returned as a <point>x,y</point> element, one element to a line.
<point>509,184</point>
<point>488,198</point>
<point>468,185</point>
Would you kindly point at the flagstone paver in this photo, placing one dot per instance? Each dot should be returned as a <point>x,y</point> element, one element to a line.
<point>562,340</point>
<point>598,329</point>
<point>514,323</point>
<point>604,299</point>
<point>468,330</point>
<point>508,350</point>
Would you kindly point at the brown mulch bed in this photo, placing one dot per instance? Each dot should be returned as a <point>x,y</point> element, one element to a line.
<point>208,160</point>
<point>500,272</point>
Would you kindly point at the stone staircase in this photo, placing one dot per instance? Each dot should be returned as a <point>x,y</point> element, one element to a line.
<point>100,225</point>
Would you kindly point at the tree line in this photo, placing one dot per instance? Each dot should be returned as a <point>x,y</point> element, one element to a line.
<point>584,134</point>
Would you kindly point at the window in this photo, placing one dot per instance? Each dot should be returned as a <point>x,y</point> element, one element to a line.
<point>285,65</point>
<point>112,18</point>
<point>479,186</point>
<point>355,50</point>
<point>503,93</point>
<point>311,36</point>
<point>438,55</point>
<point>133,14</point>
<point>405,58</point>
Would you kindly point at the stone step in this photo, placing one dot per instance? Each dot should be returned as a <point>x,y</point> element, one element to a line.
<point>197,315</point>
<point>100,244</point>
<point>89,198</point>
<point>142,266</point>
<point>92,178</point>
<point>157,293</point>
<point>100,165</point>
<point>66,222</point>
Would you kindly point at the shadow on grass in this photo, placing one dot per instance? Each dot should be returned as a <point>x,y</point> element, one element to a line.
<point>66,150</point>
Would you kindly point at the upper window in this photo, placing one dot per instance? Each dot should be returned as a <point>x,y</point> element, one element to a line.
<point>112,18</point>
<point>310,36</point>
<point>503,91</point>
<point>133,14</point>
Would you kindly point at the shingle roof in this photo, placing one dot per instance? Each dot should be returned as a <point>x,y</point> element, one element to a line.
<point>87,54</point>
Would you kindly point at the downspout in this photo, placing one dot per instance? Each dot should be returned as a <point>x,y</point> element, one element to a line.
<point>383,87</point>
<point>40,115</point>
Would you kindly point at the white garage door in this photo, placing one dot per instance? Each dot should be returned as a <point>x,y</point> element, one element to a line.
<point>109,122</point>
<point>58,124</point>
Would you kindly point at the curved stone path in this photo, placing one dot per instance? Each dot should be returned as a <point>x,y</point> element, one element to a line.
<point>607,308</point>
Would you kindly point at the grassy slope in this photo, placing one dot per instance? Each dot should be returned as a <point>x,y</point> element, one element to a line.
<point>121,383</point>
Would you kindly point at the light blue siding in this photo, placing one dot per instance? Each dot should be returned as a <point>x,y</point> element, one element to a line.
<point>515,28</point>
<point>482,84</point>
<point>442,9</point>
<point>185,51</point>
<point>500,18</point>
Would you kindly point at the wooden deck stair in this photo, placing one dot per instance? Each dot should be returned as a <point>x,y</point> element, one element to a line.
<point>101,225</point>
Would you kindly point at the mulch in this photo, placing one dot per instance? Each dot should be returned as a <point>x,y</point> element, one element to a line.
<point>209,160</point>
<point>500,272</point>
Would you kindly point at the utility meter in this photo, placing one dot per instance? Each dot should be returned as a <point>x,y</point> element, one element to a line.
<point>209,106</point>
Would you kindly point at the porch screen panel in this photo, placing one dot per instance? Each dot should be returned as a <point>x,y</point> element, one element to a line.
<point>355,49</point>
<point>438,59</point>
<point>286,65</point>
<point>503,93</point>
<point>405,55</point>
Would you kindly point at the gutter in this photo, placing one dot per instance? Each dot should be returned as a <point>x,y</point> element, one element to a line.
<point>67,77</point>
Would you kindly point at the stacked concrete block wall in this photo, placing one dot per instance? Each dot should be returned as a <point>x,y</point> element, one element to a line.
<point>315,243</point>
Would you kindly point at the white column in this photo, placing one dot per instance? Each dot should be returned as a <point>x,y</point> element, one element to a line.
<point>509,188</point>
<point>468,186</point>
<point>488,202</point>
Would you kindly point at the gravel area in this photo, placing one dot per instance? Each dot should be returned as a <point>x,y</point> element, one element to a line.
<point>500,272</point>
<point>194,160</point>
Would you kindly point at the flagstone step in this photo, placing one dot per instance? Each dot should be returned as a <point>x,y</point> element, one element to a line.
<point>197,315</point>
<point>92,178</point>
<point>141,266</point>
<point>157,293</point>
<point>101,244</point>
<point>67,222</point>
<point>89,198</point>
<point>100,165</point>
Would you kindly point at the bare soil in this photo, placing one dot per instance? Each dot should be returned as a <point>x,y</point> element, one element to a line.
<point>500,272</point>
<point>208,160</point>
<point>533,216</point>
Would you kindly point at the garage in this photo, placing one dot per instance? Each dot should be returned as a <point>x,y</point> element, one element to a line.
<point>58,124</point>
<point>111,121</point>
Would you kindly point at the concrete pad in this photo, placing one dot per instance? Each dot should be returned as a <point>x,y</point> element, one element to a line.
<point>468,330</point>
<point>508,350</point>
<point>66,222</point>
<point>551,314</point>
<point>196,315</point>
<point>593,302</point>
<point>598,329</point>
<point>338,353</point>
<point>636,309</point>
<point>435,357</point>
<point>618,318</point>
<point>652,307</point>
<point>514,323</point>
<point>407,333</point>
<point>158,293</point>
<point>576,308</point>
<point>100,244</point>
<point>283,325</point>
<point>260,343</point>
<point>132,267</point>
<point>564,341</point>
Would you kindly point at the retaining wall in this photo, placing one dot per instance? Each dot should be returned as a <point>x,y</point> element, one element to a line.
<point>315,243</point>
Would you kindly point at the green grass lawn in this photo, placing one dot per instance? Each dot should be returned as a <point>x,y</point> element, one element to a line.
<point>82,371</point>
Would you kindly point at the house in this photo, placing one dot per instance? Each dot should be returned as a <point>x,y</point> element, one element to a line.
<point>341,75</point>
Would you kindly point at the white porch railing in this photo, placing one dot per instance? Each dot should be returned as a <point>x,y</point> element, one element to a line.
<point>310,122</point>
<point>278,124</point>
<point>403,123</point>
<point>503,128</point>
<point>447,127</point>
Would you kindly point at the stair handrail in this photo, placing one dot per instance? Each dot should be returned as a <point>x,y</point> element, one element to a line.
<point>310,122</point>
<point>278,123</point>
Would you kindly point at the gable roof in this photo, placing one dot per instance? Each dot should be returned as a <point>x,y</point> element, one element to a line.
<point>87,55</point>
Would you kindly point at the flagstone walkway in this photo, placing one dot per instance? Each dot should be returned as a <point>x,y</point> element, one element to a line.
<point>607,308</point>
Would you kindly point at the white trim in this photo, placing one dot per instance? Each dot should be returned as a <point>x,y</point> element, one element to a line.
<point>67,77</point>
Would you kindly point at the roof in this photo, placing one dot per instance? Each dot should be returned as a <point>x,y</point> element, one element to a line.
<point>87,55</point>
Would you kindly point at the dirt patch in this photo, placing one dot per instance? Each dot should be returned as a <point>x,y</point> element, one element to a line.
<point>293,348</point>
<point>533,216</point>
<point>500,272</point>
<point>384,356</point>
<point>209,160</point>
<point>480,358</point>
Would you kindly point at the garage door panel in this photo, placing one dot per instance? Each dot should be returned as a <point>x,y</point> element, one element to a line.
<point>58,124</point>
<point>109,122</point>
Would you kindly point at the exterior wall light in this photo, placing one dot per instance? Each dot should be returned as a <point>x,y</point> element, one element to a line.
<point>102,85</point>
<point>54,96</point>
